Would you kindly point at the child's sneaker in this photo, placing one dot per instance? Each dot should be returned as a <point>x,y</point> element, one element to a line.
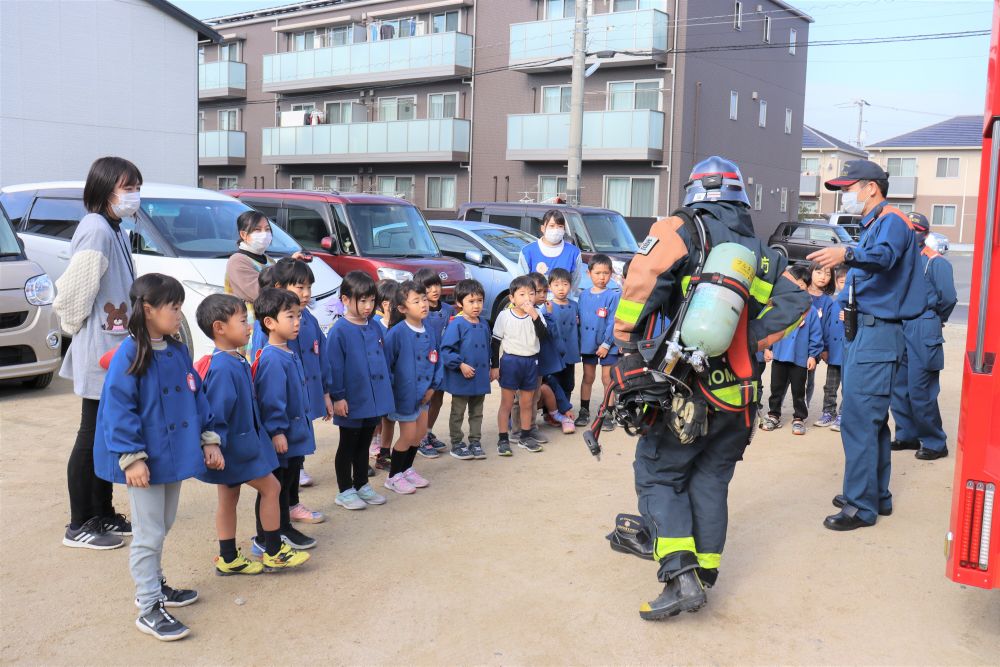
<point>175,597</point>
<point>350,500</point>
<point>537,436</point>
<point>609,424</point>
<point>370,496</point>
<point>382,463</point>
<point>297,540</point>
<point>461,452</point>
<point>551,421</point>
<point>117,524</point>
<point>476,448</point>
<point>375,447</point>
<point>798,427</point>
<point>824,421</point>
<point>302,514</point>
<point>256,548</point>
<point>304,478</point>
<point>769,423</point>
<point>239,565</point>
<point>835,426</point>
<point>433,441</point>
<point>160,624</point>
<point>427,450</point>
<point>530,444</point>
<point>584,418</point>
<point>399,484</point>
<point>285,558</point>
<point>567,425</point>
<point>503,448</point>
<point>92,535</point>
<point>414,478</point>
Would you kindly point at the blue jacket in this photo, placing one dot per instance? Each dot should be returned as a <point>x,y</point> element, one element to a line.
<point>805,341</point>
<point>466,343</point>
<point>283,400</point>
<point>532,259</point>
<point>597,320</point>
<point>360,372</point>
<point>567,318</point>
<point>414,365</point>
<point>163,413</point>
<point>437,320</point>
<point>551,350</point>
<point>311,348</point>
<point>885,272</point>
<point>833,334</point>
<point>247,450</point>
<point>941,294</point>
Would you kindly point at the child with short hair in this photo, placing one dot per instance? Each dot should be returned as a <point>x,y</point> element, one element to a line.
<point>385,293</point>
<point>411,351</point>
<point>550,361</point>
<point>821,289</point>
<point>566,313</point>
<point>517,334</point>
<point>439,314</point>
<point>283,400</point>
<point>250,457</point>
<point>465,354</point>
<point>833,339</point>
<point>153,432</point>
<point>597,340</point>
<point>358,361</point>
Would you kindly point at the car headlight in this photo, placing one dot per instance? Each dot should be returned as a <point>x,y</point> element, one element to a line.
<point>468,272</point>
<point>204,289</point>
<point>39,290</point>
<point>388,273</point>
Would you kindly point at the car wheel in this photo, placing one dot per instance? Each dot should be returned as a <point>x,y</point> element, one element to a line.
<point>498,305</point>
<point>781,251</point>
<point>39,381</point>
<point>184,336</point>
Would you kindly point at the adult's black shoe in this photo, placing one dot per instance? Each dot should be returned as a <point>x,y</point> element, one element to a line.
<point>682,593</point>
<point>900,445</point>
<point>842,521</point>
<point>840,501</point>
<point>631,537</point>
<point>925,454</point>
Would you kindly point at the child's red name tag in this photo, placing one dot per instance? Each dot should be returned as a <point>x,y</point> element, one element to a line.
<point>433,356</point>
<point>191,385</point>
<point>602,312</point>
<point>315,347</point>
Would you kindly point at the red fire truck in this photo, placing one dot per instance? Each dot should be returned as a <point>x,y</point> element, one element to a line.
<point>973,547</point>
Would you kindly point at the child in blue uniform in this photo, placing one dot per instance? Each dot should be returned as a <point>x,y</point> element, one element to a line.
<point>283,400</point>
<point>550,361</point>
<point>566,314</point>
<point>295,276</point>
<point>153,432</point>
<point>250,456</point>
<point>597,340</point>
<point>833,340</point>
<point>385,292</point>
<point>552,251</point>
<point>358,361</point>
<point>821,289</point>
<point>439,313</point>
<point>412,354</point>
<point>465,354</point>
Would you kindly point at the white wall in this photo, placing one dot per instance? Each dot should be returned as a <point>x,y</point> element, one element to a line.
<point>80,79</point>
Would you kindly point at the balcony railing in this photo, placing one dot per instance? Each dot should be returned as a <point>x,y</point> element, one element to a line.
<point>222,80</point>
<point>422,58</point>
<point>222,147</point>
<point>636,37</point>
<point>904,187</point>
<point>432,140</point>
<point>808,185</point>
<point>607,135</point>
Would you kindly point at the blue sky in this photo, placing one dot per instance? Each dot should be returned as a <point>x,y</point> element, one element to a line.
<point>908,84</point>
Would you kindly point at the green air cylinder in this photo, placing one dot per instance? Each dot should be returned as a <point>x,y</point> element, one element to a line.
<point>714,311</point>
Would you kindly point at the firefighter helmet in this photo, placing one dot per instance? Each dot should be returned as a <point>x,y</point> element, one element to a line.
<point>715,179</point>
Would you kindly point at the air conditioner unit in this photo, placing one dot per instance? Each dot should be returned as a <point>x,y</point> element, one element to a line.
<point>294,118</point>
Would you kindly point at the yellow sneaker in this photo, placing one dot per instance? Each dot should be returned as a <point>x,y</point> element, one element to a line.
<point>239,565</point>
<point>285,558</point>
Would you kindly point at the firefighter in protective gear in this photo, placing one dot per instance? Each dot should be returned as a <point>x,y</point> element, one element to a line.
<point>683,488</point>
<point>915,392</point>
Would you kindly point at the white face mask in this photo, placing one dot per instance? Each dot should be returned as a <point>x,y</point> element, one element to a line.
<point>127,205</point>
<point>850,203</point>
<point>259,242</point>
<point>554,235</point>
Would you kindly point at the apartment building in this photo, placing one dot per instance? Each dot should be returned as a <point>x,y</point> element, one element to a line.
<point>935,171</point>
<point>446,101</point>
<point>823,156</point>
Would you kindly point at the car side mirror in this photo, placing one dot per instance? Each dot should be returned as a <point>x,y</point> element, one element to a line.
<point>474,257</point>
<point>327,243</point>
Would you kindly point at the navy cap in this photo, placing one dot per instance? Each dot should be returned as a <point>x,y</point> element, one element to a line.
<point>854,171</point>
<point>918,221</point>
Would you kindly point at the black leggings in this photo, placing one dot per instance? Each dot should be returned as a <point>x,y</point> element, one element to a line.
<point>351,462</point>
<point>286,477</point>
<point>567,380</point>
<point>783,376</point>
<point>89,495</point>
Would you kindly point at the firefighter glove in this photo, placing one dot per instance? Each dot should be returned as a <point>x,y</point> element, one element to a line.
<point>689,418</point>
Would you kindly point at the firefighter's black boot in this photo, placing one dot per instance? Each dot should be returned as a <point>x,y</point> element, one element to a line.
<point>631,537</point>
<point>683,590</point>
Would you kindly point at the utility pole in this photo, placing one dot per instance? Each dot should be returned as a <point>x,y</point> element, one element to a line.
<point>860,104</point>
<point>576,103</point>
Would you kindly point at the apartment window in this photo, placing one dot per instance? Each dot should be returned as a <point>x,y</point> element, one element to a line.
<point>442,105</point>
<point>767,29</point>
<point>905,208</point>
<point>793,37</point>
<point>303,183</point>
<point>304,41</point>
<point>201,121</point>
<point>550,187</point>
<point>201,55</point>
<point>810,165</point>
<point>734,104</point>
<point>788,121</point>
<point>560,9</point>
<point>340,183</point>
<point>762,116</point>
<point>396,186</point>
<point>338,36</point>
<point>738,15</point>
<point>230,52</point>
<point>397,108</point>
<point>228,182</point>
<point>555,99</point>
<point>633,196</point>
<point>947,167</point>
<point>632,5</point>
<point>338,113</point>
<point>783,203</point>
<point>808,207</point>
<point>758,197</point>
<point>441,192</point>
<point>943,216</point>
<point>393,29</point>
<point>901,166</point>
<point>628,95</point>
<point>229,119</point>
<point>445,22</point>
<point>308,108</point>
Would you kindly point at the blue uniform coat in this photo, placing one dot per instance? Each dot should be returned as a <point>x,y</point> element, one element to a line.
<point>805,341</point>
<point>311,348</point>
<point>551,350</point>
<point>414,366</point>
<point>466,343</point>
<point>360,371</point>
<point>833,334</point>
<point>283,401</point>
<point>597,320</point>
<point>437,320</point>
<point>567,318</point>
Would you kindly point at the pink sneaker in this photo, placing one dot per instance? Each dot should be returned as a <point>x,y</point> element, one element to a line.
<point>414,478</point>
<point>375,447</point>
<point>302,514</point>
<point>399,484</point>
<point>567,425</point>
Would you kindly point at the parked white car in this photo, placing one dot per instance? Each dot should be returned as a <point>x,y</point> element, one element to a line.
<point>184,232</point>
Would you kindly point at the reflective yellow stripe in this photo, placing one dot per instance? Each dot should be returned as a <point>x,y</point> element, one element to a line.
<point>765,311</point>
<point>760,290</point>
<point>668,545</point>
<point>628,311</point>
<point>709,561</point>
<point>685,281</point>
<point>733,395</point>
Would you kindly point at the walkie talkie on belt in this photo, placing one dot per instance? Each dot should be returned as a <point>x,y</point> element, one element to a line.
<point>851,315</point>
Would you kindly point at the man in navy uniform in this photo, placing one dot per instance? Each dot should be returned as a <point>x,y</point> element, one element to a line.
<point>888,285</point>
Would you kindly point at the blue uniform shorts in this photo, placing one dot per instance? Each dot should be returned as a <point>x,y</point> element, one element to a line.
<point>518,373</point>
<point>397,417</point>
<point>594,360</point>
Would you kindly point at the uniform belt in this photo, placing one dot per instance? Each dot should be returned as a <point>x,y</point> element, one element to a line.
<point>866,320</point>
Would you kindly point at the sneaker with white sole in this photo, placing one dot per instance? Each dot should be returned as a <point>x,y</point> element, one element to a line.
<point>370,496</point>
<point>297,540</point>
<point>304,478</point>
<point>530,444</point>
<point>350,500</point>
<point>175,597</point>
<point>567,425</point>
<point>436,443</point>
<point>414,478</point>
<point>92,535</point>
<point>835,426</point>
<point>399,484</point>
<point>375,446</point>
<point>160,624</point>
<point>798,427</point>
<point>462,452</point>
<point>503,448</point>
<point>536,435</point>
<point>427,451</point>
<point>824,421</point>
<point>476,448</point>
<point>117,524</point>
<point>302,514</point>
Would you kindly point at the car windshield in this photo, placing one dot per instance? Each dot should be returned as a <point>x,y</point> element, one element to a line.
<point>843,234</point>
<point>206,227</point>
<point>390,230</point>
<point>508,242</point>
<point>8,241</point>
<point>609,232</point>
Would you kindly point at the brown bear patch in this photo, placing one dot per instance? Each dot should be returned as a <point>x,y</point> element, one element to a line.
<point>117,317</point>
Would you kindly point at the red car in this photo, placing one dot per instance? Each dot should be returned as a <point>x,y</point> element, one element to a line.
<point>383,236</point>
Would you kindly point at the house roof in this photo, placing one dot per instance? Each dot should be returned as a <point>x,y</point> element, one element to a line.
<point>957,131</point>
<point>204,32</point>
<point>813,138</point>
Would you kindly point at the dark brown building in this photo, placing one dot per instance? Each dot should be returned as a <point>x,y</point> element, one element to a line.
<point>446,101</point>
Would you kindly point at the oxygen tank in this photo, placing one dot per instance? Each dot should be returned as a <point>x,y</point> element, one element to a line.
<point>714,311</point>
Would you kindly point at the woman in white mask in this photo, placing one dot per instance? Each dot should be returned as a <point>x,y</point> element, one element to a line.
<point>552,251</point>
<point>245,265</point>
